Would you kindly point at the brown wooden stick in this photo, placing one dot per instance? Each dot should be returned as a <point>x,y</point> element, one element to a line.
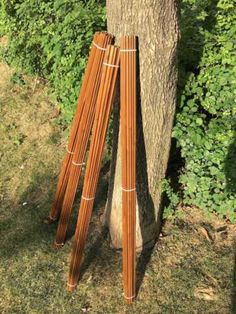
<point>103,108</point>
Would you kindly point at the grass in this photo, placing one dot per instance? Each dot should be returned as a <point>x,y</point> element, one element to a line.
<point>190,270</point>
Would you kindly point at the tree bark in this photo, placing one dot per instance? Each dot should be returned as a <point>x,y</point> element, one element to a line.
<point>155,22</point>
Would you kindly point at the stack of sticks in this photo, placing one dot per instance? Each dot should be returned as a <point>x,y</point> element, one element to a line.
<point>93,112</point>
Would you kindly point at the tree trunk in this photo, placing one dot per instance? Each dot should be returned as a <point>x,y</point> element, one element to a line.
<point>155,22</point>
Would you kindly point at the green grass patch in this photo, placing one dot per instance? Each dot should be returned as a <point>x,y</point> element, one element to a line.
<point>188,271</point>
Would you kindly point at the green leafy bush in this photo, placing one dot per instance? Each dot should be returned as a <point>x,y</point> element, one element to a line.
<point>205,127</point>
<point>51,39</point>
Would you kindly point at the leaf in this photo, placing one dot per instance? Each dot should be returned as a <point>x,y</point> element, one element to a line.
<point>199,121</point>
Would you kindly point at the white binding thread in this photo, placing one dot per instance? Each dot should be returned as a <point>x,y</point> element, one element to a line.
<point>72,286</point>
<point>101,48</point>
<point>127,50</point>
<point>111,65</point>
<point>59,243</point>
<point>88,198</point>
<point>128,190</point>
<point>129,297</point>
<point>79,164</point>
<point>68,151</point>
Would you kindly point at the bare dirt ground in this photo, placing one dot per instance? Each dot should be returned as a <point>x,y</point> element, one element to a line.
<point>190,270</point>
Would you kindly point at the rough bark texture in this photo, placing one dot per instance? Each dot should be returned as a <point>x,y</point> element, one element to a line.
<point>155,22</point>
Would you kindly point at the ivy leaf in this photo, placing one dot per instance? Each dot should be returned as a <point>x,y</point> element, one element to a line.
<point>199,121</point>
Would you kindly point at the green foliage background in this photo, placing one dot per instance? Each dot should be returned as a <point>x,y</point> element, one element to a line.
<point>205,122</point>
<point>51,39</point>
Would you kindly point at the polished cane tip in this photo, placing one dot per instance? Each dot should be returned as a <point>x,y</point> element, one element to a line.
<point>129,300</point>
<point>70,288</point>
<point>58,245</point>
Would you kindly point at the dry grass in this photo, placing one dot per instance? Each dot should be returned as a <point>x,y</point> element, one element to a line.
<point>190,270</point>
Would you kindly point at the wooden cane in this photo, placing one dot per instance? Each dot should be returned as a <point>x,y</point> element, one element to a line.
<point>103,108</point>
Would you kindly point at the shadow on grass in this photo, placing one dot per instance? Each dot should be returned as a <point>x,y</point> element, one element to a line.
<point>24,229</point>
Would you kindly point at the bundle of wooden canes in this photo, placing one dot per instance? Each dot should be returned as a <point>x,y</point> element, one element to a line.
<point>128,160</point>
<point>83,132</point>
<point>103,108</point>
<point>93,112</point>
<point>78,138</point>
